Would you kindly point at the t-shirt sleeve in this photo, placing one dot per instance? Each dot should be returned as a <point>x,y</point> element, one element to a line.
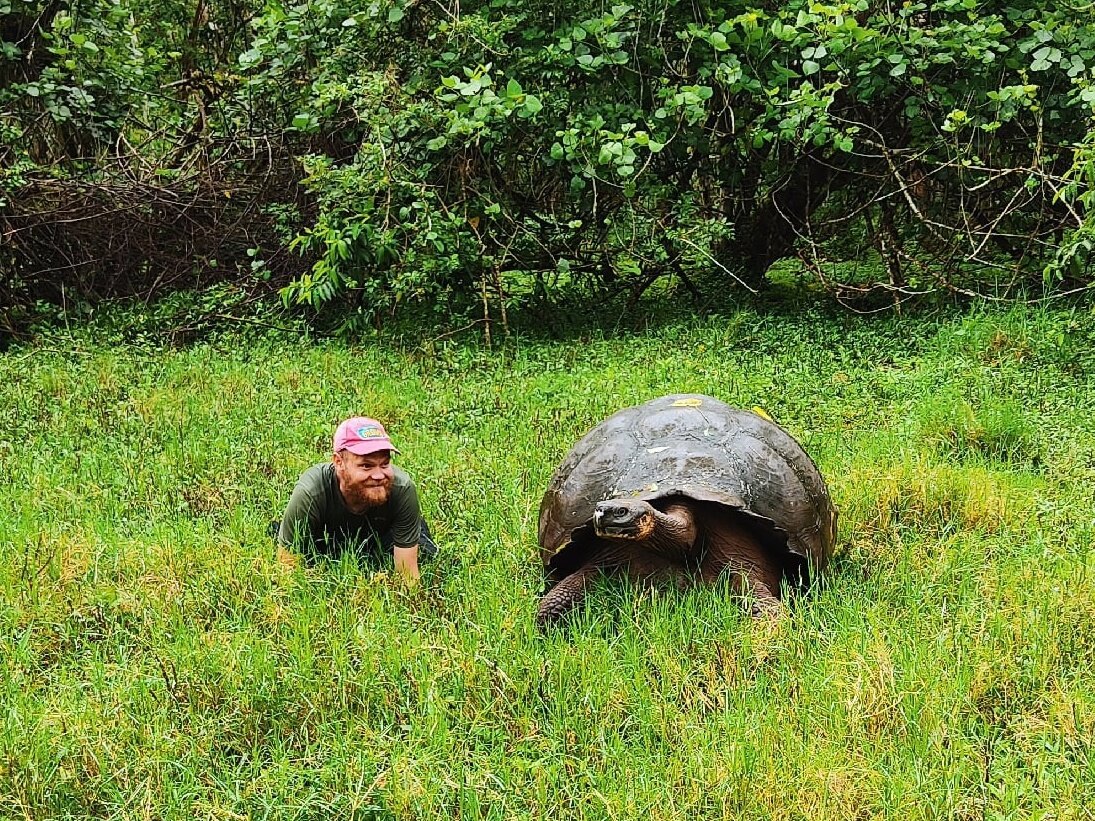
<point>407,518</point>
<point>302,524</point>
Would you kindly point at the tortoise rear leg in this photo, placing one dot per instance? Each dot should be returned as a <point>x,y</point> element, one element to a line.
<point>754,573</point>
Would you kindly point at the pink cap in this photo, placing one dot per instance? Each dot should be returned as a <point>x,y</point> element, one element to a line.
<point>362,435</point>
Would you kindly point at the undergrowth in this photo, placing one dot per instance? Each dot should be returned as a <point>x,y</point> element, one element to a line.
<point>157,661</point>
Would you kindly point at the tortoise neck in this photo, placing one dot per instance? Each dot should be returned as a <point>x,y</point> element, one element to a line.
<point>674,528</point>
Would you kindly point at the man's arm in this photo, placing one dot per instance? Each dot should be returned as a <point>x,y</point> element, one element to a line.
<point>406,563</point>
<point>406,530</point>
<point>301,524</point>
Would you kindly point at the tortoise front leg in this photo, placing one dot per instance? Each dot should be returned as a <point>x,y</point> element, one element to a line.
<point>763,603</point>
<point>566,595</point>
<point>569,592</point>
<point>753,573</point>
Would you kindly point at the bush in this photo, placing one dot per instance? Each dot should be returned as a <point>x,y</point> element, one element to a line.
<point>893,151</point>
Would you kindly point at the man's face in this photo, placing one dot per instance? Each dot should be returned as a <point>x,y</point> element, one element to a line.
<point>365,481</point>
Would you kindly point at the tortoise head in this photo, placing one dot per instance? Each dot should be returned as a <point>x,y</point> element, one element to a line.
<point>624,519</point>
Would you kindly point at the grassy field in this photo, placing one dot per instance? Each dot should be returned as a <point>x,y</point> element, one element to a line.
<point>156,661</point>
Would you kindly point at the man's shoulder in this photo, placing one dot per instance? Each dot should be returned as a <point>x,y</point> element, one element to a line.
<point>317,480</point>
<point>400,477</point>
<point>309,505</point>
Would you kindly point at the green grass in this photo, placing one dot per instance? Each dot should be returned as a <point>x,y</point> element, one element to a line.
<point>157,662</point>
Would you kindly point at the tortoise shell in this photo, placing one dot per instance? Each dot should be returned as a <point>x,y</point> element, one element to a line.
<point>697,447</point>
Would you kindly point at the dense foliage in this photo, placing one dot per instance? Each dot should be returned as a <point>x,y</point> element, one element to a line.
<point>395,151</point>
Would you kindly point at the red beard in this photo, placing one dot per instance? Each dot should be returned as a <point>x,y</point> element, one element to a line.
<point>366,496</point>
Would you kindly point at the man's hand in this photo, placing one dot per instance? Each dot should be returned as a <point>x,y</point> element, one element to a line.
<point>406,564</point>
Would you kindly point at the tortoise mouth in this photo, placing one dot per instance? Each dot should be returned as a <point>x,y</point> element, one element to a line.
<point>623,532</point>
<point>623,525</point>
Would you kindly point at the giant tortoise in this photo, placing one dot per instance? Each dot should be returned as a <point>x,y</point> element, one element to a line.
<point>688,486</point>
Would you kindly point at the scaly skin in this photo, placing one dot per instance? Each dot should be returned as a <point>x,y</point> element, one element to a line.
<point>569,592</point>
<point>646,541</point>
<point>655,540</point>
<point>675,532</point>
<point>566,595</point>
<point>753,574</point>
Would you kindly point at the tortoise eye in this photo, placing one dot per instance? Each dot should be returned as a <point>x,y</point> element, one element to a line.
<point>621,511</point>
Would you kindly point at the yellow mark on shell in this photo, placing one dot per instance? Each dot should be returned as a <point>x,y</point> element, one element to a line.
<point>762,413</point>
<point>687,403</point>
<point>652,486</point>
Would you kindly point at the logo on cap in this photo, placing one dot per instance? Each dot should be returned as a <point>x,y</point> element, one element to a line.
<point>371,432</point>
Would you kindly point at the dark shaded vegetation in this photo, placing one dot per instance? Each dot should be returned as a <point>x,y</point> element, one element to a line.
<point>481,157</point>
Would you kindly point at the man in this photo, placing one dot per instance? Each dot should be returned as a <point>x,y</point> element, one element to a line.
<point>358,501</point>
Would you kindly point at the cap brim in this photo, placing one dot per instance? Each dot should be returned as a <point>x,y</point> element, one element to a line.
<point>365,448</point>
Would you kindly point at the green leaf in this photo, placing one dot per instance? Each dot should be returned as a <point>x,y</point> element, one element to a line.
<point>395,14</point>
<point>532,104</point>
<point>513,89</point>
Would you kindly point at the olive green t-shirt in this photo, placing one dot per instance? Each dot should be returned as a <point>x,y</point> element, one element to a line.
<point>317,517</point>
